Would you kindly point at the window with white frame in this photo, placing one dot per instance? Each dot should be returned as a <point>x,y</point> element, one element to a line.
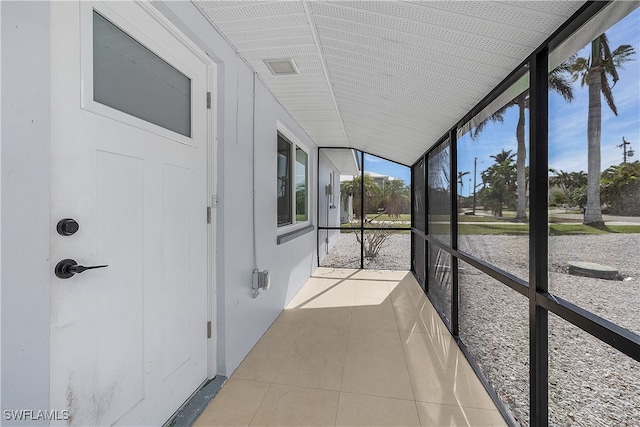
<point>292,182</point>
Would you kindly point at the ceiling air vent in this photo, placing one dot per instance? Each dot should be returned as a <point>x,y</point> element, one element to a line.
<point>282,66</point>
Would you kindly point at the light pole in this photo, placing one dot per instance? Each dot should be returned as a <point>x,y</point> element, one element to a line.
<point>625,153</point>
<point>461,182</point>
<point>475,162</point>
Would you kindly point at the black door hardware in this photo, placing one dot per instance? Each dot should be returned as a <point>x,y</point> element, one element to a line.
<point>67,227</point>
<point>68,267</point>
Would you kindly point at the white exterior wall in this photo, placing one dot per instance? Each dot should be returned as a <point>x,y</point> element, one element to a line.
<point>242,320</point>
<point>25,222</point>
<point>328,216</point>
<point>24,201</point>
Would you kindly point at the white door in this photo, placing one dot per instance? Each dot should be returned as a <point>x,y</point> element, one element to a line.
<point>129,165</point>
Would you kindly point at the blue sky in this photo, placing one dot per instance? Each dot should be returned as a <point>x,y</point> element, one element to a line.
<point>568,121</point>
<point>386,167</point>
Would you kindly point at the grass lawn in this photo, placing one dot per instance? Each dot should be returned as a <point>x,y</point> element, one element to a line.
<point>554,229</point>
<point>488,225</point>
<point>499,229</point>
<point>570,229</point>
<point>477,218</point>
<point>387,217</point>
<point>350,228</point>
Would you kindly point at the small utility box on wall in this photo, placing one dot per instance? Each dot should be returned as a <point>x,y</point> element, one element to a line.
<point>261,280</point>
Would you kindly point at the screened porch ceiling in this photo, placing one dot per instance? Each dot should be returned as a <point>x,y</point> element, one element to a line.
<point>386,77</point>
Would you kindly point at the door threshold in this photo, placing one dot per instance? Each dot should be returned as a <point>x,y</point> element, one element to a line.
<point>190,410</point>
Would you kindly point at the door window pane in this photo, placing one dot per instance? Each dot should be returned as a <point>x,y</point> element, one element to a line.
<point>129,77</point>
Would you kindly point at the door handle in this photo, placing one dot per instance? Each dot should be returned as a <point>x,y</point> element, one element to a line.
<point>69,267</point>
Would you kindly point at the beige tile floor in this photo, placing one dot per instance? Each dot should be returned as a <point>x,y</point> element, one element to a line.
<point>355,348</point>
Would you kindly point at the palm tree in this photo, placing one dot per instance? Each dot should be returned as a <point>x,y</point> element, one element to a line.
<point>460,176</point>
<point>558,82</point>
<point>353,189</point>
<point>594,72</point>
<point>499,182</point>
<point>395,197</point>
<point>502,156</point>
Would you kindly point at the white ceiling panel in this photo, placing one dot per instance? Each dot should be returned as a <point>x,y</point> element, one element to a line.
<point>266,44</point>
<point>417,49</point>
<point>386,77</point>
<point>272,22</point>
<point>237,11</point>
<point>455,35</point>
<point>501,23</point>
<point>402,60</point>
<point>403,38</point>
<point>270,33</point>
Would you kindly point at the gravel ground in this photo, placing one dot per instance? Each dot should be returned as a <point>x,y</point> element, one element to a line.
<point>394,255</point>
<point>590,384</point>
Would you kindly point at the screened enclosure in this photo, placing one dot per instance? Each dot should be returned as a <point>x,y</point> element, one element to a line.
<point>532,182</point>
<point>364,211</point>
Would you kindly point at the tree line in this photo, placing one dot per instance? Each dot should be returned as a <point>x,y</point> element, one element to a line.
<point>619,187</point>
<point>391,197</point>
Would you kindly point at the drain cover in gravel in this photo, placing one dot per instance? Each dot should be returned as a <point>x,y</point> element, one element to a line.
<point>591,269</point>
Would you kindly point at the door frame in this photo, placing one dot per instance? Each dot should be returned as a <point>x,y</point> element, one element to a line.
<point>212,193</point>
<point>211,176</point>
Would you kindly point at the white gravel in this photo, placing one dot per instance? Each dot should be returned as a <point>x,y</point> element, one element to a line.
<point>590,383</point>
<point>394,255</point>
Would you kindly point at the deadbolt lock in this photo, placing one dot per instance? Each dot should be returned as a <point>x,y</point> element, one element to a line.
<point>67,227</point>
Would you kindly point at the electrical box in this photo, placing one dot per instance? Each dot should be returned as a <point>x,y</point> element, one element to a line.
<point>261,280</point>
